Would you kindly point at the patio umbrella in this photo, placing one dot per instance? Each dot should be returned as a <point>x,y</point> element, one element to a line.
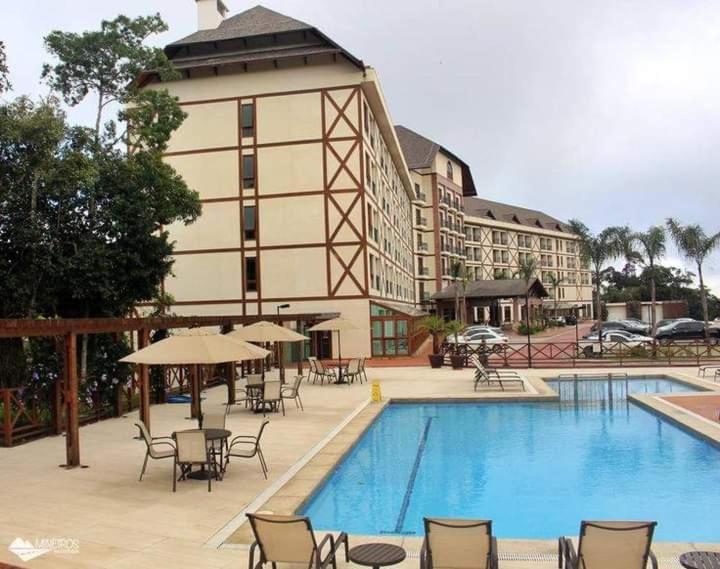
<point>338,325</point>
<point>196,350</point>
<point>203,349</point>
<point>264,331</point>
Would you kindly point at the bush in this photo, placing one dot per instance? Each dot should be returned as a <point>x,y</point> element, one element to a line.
<point>534,329</point>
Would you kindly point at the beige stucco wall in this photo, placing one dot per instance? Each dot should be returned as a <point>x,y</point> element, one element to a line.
<point>285,169</point>
<point>212,174</point>
<point>210,276</point>
<point>209,125</point>
<point>218,227</point>
<point>289,118</point>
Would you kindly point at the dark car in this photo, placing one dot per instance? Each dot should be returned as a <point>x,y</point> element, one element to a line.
<point>624,325</point>
<point>571,320</point>
<point>685,330</point>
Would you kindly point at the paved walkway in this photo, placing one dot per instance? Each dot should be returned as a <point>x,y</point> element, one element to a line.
<point>123,523</point>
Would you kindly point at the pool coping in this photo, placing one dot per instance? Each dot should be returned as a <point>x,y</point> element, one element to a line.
<point>299,484</point>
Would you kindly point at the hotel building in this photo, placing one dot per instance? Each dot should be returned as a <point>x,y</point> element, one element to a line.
<point>304,187</point>
<point>485,240</point>
<point>310,196</point>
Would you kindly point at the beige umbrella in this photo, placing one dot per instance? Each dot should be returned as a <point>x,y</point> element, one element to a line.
<point>264,331</point>
<point>196,350</point>
<point>203,349</point>
<point>338,325</point>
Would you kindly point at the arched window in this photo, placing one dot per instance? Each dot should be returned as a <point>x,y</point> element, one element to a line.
<point>449,170</point>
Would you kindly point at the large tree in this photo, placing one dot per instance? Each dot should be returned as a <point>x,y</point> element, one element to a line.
<point>648,247</point>
<point>596,251</point>
<point>696,245</point>
<point>4,72</point>
<point>104,64</point>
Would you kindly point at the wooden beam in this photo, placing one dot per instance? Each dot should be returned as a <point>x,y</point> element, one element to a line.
<point>72,413</point>
<point>143,372</point>
<point>20,328</point>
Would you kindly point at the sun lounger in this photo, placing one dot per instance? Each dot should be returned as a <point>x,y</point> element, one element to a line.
<point>603,545</point>
<point>458,544</point>
<point>290,539</point>
<point>715,368</point>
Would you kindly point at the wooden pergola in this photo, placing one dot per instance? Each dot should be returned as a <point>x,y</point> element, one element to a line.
<point>70,328</point>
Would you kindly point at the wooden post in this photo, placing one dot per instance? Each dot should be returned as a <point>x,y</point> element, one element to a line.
<point>7,417</point>
<point>57,415</point>
<point>72,414</point>
<point>230,381</point>
<point>301,348</point>
<point>144,381</point>
<point>194,392</point>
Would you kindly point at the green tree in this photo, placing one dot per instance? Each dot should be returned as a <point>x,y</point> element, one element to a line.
<point>648,248</point>
<point>4,71</point>
<point>696,245</point>
<point>461,276</point>
<point>596,251</point>
<point>555,282</point>
<point>436,327</point>
<point>527,272</point>
<point>106,63</point>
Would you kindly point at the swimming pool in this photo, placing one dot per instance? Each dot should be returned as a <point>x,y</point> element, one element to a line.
<point>535,469</point>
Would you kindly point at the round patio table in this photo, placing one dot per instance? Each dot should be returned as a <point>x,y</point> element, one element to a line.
<point>700,560</point>
<point>212,435</point>
<point>377,555</point>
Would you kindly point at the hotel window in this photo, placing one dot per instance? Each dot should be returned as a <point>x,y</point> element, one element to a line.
<point>366,117</point>
<point>251,274</point>
<point>449,170</point>
<point>249,223</point>
<point>247,113</point>
<point>248,169</point>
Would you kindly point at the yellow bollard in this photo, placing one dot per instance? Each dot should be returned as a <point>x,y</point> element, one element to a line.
<point>376,393</point>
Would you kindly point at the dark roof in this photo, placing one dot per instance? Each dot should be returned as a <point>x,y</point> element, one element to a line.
<point>257,21</point>
<point>500,288</point>
<point>477,207</point>
<point>255,35</point>
<point>402,308</point>
<point>420,152</point>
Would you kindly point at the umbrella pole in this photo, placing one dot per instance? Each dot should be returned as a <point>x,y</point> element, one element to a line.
<point>339,359</point>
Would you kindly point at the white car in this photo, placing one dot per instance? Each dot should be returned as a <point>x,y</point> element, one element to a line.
<point>481,328</point>
<point>477,338</point>
<point>612,340</point>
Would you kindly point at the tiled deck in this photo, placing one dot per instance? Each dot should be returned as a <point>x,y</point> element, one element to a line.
<point>121,522</point>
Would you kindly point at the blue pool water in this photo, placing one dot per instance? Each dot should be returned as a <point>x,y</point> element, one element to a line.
<point>535,469</point>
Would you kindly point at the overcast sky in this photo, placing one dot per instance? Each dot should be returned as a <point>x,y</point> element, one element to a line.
<point>607,111</point>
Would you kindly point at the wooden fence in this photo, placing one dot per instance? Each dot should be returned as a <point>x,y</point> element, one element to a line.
<point>582,355</point>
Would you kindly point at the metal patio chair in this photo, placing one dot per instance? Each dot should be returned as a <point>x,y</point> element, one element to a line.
<point>157,448</point>
<point>458,544</point>
<point>293,392</point>
<point>248,446</point>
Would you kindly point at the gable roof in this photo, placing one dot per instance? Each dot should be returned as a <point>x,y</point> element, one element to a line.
<point>478,207</point>
<point>420,152</point>
<point>500,288</point>
<point>256,21</point>
<point>255,35</point>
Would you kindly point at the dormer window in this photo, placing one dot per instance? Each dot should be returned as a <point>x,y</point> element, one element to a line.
<point>449,170</point>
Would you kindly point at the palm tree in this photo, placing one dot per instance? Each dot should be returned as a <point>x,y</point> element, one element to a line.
<point>527,271</point>
<point>696,245</point>
<point>555,283</point>
<point>436,327</point>
<point>596,250</point>
<point>459,274</point>
<point>648,248</point>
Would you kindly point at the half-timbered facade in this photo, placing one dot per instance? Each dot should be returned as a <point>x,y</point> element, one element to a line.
<point>304,188</point>
<point>499,237</point>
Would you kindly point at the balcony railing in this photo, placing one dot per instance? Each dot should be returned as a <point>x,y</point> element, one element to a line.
<point>422,246</point>
<point>424,271</point>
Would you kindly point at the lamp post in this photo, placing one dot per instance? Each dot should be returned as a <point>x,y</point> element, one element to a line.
<point>281,367</point>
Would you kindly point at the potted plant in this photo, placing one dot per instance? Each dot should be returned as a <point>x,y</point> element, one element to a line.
<point>435,326</point>
<point>454,327</point>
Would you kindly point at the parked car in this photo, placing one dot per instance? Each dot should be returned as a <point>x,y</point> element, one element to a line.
<point>571,320</point>
<point>477,338</point>
<point>625,325</point>
<point>668,321</point>
<point>481,328</point>
<point>557,319</point>
<point>685,330</point>
<point>611,339</point>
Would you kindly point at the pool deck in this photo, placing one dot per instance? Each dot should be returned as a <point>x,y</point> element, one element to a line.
<point>123,523</point>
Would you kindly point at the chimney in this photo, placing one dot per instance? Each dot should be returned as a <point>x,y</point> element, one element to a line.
<point>210,13</point>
